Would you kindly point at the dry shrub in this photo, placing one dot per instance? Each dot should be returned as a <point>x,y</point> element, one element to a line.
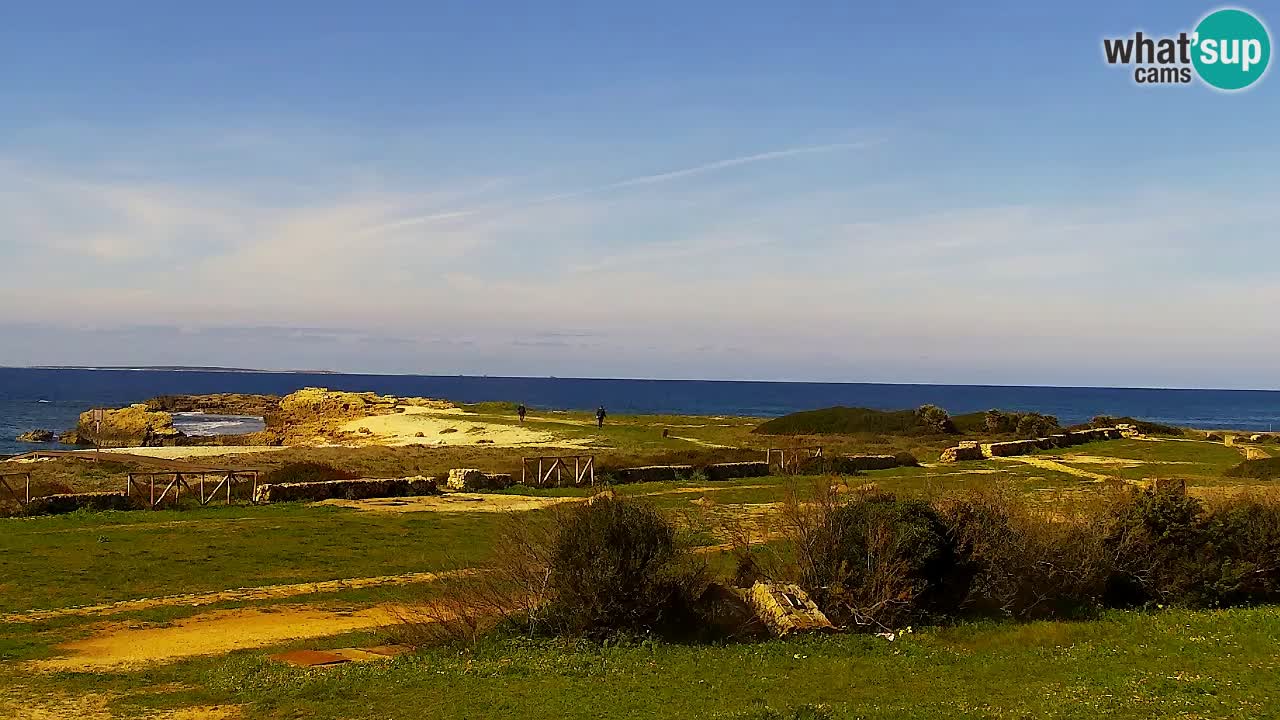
<point>871,560</point>
<point>618,565</point>
<point>512,589</point>
<point>1026,562</point>
<point>595,569</point>
<point>1170,548</point>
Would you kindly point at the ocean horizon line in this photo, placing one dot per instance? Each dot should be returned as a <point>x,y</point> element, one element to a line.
<point>601,378</point>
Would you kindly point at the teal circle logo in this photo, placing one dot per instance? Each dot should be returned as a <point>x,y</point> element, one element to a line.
<point>1232,49</point>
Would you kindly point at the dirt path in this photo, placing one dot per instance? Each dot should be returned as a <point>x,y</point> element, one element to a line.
<point>213,633</point>
<point>1046,464</point>
<point>265,592</point>
<point>16,704</point>
<point>455,502</point>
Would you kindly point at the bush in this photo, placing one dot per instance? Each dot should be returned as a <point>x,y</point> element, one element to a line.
<point>875,561</point>
<point>617,566</point>
<point>306,472</point>
<point>1025,565</point>
<point>906,459</point>
<point>1153,537</point>
<point>1023,424</point>
<point>1144,426</point>
<point>935,418</point>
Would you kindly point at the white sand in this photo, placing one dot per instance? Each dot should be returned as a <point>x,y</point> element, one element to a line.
<point>446,429</point>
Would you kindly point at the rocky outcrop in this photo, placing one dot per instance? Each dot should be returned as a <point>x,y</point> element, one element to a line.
<point>217,404</point>
<point>471,479</point>
<point>731,470</point>
<point>311,413</point>
<point>36,436</point>
<point>651,473</point>
<point>133,426</point>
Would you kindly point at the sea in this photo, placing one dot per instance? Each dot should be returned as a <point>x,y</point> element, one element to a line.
<point>52,399</point>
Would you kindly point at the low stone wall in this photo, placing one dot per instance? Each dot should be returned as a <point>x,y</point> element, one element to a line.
<point>1013,447</point>
<point>70,502</point>
<point>974,451</point>
<point>332,489</point>
<point>731,470</point>
<point>471,479</point>
<point>870,462</point>
<point>651,473</point>
<point>964,451</point>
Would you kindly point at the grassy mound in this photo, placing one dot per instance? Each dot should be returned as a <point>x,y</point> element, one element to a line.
<point>848,421</point>
<point>1264,469</point>
<point>1145,427</point>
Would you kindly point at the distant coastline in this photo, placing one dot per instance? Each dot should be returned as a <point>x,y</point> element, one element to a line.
<point>174,368</point>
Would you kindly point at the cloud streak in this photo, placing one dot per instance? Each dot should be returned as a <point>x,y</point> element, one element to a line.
<point>638,181</point>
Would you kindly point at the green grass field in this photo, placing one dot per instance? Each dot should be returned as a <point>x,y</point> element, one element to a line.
<point>1174,664</point>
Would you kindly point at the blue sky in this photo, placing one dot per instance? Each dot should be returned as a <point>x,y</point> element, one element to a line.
<point>910,192</point>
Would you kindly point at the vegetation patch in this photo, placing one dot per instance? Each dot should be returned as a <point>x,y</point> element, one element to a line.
<point>925,420</point>
<point>1263,469</point>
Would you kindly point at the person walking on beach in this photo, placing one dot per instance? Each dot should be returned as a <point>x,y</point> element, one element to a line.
<point>600,417</point>
<point>521,410</point>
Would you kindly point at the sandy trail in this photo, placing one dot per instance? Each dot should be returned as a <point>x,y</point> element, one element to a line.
<point>1046,464</point>
<point>213,633</point>
<point>446,429</point>
<point>455,502</point>
<point>94,706</point>
<point>702,443</point>
<point>265,592</point>
<point>192,451</point>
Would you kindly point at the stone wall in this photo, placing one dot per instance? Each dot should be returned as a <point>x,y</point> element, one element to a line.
<point>337,489</point>
<point>731,470</point>
<point>870,462</point>
<point>70,502</point>
<point>651,473</point>
<point>974,451</point>
<point>471,479</point>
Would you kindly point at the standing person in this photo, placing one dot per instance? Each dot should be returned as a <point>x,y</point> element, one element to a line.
<point>521,410</point>
<point>600,417</point>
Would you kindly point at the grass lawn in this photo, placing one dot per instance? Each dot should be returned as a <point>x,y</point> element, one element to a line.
<point>1173,664</point>
<point>1170,664</point>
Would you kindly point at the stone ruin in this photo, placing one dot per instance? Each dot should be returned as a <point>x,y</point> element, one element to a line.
<point>785,608</point>
<point>472,479</point>
<point>976,451</point>
<point>344,489</point>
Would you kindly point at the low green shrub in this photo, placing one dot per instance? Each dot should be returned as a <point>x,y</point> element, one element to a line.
<point>1145,427</point>
<point>1263,469</point>
<point>927,420</point>
<point>876,561</point>
<point>617,566</point>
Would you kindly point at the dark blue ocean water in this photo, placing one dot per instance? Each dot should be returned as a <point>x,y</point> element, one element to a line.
<point>52,399</point>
